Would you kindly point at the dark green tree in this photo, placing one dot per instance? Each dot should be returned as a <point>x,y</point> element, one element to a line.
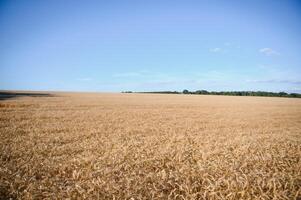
<point>185,92</point>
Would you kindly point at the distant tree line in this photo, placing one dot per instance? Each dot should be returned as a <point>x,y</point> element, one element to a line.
<point>244,93</point>
<point>163,92</point>
<point>229,93</point>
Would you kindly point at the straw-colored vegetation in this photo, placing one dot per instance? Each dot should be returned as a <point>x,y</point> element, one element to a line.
<point>150,146</point>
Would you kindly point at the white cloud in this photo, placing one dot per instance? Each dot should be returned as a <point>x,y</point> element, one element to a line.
<point>140,74</point>
<point>84,79</point>
<point>215,50</point>
<point>289,81</point>
<point>127,74</point>
<point>212,75</point>
<point>268,68</point>
<point>269,52</point>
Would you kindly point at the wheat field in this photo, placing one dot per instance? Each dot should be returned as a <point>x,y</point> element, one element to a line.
<point>149,146</point>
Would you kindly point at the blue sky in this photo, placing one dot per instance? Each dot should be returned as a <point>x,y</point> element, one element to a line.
<point>150,45</point>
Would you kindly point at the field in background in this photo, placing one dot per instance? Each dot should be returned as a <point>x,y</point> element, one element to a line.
<point>149,146</point>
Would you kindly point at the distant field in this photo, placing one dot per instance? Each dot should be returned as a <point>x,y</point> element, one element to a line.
<point>149,146</point>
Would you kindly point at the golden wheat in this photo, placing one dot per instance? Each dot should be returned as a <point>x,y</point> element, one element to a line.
<point>150,146</point>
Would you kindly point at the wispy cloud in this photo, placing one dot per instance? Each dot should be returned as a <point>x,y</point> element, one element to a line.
<point>128,74</point>
<point>170,83</point>
<point>215,50</point>
<point>84,79</point>
<point>294,90</point>
<point>264,66</point>
<point>145,74</point>
<point>212,75</point>
<point>275,81</point>
<point>269,52</point>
